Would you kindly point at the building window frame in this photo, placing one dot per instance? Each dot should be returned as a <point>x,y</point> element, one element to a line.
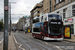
<point>73,10</point>
<point>59,1</point>
<point>50,5</point>
<point>58,12</point>
<point>64,12</point>
<point>68,1</point>
<point>36,12</point>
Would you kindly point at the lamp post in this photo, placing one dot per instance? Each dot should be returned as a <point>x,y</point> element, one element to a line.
<point>5,42</point>
<point>10,15</point>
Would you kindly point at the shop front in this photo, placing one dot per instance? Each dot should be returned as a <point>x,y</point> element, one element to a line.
<point>70,22</point>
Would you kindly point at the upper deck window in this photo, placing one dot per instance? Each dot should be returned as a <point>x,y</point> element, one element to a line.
<point>54,16</point>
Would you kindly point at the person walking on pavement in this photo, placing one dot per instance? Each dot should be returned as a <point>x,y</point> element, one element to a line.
<point>25,31</point>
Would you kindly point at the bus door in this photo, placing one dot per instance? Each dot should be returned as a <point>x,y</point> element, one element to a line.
<point>45,29</point>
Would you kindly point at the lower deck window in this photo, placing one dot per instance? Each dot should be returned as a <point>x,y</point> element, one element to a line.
<point>36,29</point>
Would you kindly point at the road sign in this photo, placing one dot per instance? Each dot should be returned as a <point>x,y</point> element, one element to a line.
<point>6,8</point>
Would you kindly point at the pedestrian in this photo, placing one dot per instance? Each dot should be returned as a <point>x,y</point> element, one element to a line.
<point>25,31</point>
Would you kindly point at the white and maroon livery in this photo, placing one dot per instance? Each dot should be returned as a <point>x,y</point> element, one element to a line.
<point>50,27</point>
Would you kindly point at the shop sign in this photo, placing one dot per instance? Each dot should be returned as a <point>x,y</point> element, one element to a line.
<point>69,20</point>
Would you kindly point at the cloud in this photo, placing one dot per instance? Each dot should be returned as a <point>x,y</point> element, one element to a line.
<point>15,21</point>
<point>19,7</point>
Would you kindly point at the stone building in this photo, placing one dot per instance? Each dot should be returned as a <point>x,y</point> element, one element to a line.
<point>27,23</point>
<point>35,12</point>
<point>21,22</point>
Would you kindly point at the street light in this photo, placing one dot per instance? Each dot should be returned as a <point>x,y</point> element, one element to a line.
<point>10,15</point>
<point>5,42</point>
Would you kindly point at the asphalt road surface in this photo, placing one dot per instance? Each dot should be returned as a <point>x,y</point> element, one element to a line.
<point>27,42</point>
<point>1,36</point>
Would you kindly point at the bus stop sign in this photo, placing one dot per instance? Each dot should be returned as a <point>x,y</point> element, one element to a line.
<point>6,8</point>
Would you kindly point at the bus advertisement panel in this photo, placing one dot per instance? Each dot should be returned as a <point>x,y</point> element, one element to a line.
<point>38,24</point>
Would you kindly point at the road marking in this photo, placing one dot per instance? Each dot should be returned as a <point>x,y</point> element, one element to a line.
<point>1,41</point>
<point>69,42</point>
<point>18,43</point>
<point>49,44</point>
<point>46,42</point>
<point>58,47</point>
<point>54,46</point>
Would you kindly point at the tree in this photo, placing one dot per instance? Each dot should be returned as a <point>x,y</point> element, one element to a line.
<point>1,25</point>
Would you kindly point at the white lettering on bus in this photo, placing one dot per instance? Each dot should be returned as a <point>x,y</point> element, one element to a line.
<point>54,22</point>
<point>59,22</point>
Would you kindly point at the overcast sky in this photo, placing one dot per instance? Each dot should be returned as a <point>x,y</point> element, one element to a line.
<point>18,7</point>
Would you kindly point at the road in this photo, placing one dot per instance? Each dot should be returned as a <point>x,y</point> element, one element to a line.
<point>1,37</point>
<point>1,40</point>
<point>27,42</point>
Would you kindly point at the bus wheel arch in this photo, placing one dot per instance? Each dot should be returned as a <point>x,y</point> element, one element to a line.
<point>34,35</point>
<point>42,37</point>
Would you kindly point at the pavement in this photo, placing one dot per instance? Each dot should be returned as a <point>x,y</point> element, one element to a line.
<point>12,44</point>
<point>1,46</point>
<point>71,40</point>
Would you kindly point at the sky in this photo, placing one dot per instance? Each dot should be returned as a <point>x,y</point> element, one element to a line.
<point>19,8</point>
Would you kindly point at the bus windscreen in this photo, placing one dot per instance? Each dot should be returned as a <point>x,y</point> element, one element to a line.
<point>55,27</point>
<point>55,31</point>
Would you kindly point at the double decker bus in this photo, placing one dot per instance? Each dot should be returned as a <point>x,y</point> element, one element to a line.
<point>50,27</point>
